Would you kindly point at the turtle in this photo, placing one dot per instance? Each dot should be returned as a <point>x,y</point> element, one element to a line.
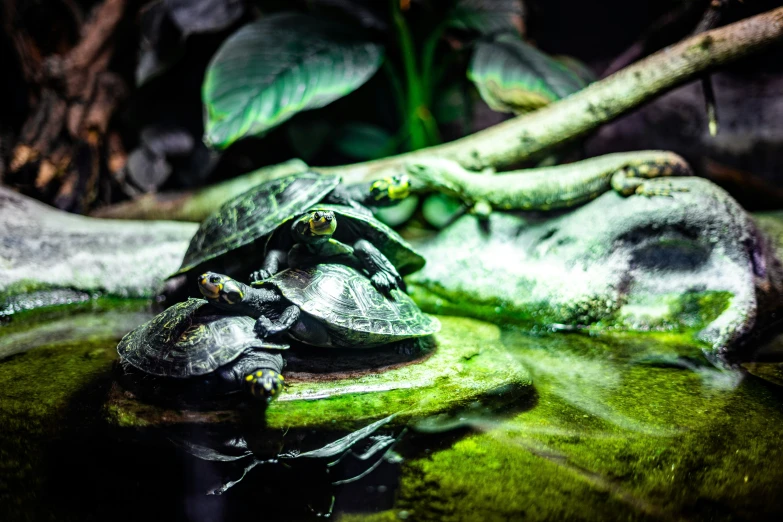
<point>342,234</point>
<point>194,341</point>
<point>248,220</point>
<point>327,305</point>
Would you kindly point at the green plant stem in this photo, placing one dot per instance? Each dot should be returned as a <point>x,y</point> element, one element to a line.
<point>428,60</point>
<point>397,90</point>
<point>417,130</point>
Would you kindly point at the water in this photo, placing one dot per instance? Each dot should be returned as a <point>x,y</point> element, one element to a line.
<point>615,427</point>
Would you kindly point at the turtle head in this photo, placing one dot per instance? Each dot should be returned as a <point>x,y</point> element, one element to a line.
<point>321,222</point>
<point>390,190</point>
<point>221,289</point>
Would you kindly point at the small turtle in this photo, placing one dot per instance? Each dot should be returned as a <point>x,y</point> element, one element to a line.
<point>316,237</point>
<point>326,305</point>
<point>193,340</point>
<point>252,217</point>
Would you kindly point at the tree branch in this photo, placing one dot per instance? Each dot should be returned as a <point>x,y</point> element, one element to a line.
<point>533,135</point>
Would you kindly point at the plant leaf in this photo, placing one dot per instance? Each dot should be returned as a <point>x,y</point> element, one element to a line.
<point>364,141</point>
<point>203,16</point>
<point>280,65</point>
<point>513,76</point>
<point>160,43</point>
<point>488,16</point>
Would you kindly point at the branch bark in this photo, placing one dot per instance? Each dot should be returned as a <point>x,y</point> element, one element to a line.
<point>532,135</point>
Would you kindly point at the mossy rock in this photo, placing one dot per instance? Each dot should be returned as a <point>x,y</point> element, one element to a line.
<point>694,262</point>
<point>466,365</point>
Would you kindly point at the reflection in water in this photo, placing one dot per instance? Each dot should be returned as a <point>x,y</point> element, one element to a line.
<point>619,426</point>
<point>230,459</point>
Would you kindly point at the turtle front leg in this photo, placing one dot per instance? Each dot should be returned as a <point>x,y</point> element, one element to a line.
<point>382,273</point>
<point>645,180</point>
<point>265,327</point>
<point>257,372</point>
<point>272,262</point>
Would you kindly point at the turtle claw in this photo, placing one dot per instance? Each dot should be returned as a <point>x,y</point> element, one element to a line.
<point>259,275</point>
<point>384,282</point>
<point>264,385</point>
<point>264,327</point>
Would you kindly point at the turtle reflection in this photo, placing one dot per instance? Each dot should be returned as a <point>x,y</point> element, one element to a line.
<point>237,460</point>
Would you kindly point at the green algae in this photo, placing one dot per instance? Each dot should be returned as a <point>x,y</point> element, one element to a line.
<point>622,429</point>
<point>623,426</point>
<point>683,312</point>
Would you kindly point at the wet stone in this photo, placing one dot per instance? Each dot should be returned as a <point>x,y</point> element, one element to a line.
<point>342,390</point>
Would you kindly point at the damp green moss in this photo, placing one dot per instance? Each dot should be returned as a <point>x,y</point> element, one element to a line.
<point>37,386</point>
<point>470,365</point>
<point>496,311</point>
<point>622,430</point>
<point>690,311</point>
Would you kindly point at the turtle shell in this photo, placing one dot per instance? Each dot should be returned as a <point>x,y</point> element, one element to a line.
<point>354,312</point>
<point>353,224</point>
<point>254,214</point>
<point>188,339</point>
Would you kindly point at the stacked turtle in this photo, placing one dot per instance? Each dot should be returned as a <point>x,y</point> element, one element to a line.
<point>311,282</point>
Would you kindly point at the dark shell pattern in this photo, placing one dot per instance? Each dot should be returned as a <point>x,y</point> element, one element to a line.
<point>187,340</point>
<point>254,214</point>
<point>353,225</point>
<point>354,312</point>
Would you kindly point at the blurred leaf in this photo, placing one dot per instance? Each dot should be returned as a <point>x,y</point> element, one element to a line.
<point>398,214</point>
<point>364,141</point>
<point>439,210</point>
<point>513,76</point>
<point>577,67</point>
<point>308,137</point>
<point>282,64</point>
<point>204,16</point>
<point>146,170</point>
<point>160,44</point>
<point>488,16</point>
<point>449,106</point>
<point>167,140</point>
<point>371,14</point>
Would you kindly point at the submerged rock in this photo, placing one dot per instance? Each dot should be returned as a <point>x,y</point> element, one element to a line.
<point>467,365</point>
<point>695,260</point>
<point>52,257</point>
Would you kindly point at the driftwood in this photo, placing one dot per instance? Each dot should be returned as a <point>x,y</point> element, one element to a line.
<point>60,147</point>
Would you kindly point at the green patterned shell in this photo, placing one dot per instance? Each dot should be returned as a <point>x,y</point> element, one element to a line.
<point>187,340</point>
<point>354,312</point>
<point>255,214</point>
<point>352,225</point>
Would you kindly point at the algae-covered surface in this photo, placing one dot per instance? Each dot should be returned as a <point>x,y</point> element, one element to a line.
<point>615,427</point>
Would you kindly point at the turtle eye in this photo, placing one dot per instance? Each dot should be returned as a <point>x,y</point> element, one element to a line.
<point>317,216</point>
<point>214,279</point>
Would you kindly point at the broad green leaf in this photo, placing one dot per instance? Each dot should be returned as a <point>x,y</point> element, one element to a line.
<point>364,141</point>
<point>513,76</point>
<point>487,16</point>
<point>280,65</point>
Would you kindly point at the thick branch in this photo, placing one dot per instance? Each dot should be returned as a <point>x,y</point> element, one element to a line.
<point>533,134</point>
<point>195,206</point>
<point>546,187</point>
<point>536,133</point>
